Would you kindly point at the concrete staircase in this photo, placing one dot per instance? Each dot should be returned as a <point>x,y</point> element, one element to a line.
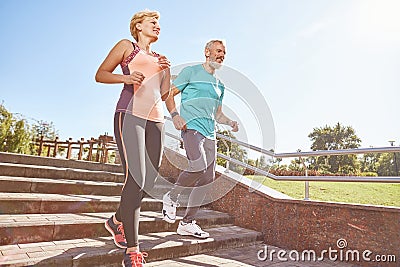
<point>52,213</point>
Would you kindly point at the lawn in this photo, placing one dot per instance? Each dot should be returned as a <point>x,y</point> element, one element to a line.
<point>349,192</point>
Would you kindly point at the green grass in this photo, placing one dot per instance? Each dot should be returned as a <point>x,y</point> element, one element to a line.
<point>348,192</point>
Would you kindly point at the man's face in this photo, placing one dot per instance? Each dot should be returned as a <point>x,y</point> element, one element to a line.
<point>216,54</point>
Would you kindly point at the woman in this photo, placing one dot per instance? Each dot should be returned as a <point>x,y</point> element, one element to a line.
<point>138,124</point>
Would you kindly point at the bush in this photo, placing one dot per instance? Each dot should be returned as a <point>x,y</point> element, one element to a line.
<point>369,174</point>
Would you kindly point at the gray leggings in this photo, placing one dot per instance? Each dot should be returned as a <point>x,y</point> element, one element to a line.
<point>201,154</point>
<point>140,145</point>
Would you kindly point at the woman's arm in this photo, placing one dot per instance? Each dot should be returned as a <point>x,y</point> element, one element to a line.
<point>117,54</point>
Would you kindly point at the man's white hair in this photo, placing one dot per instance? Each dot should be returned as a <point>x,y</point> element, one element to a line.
<point>211,42</point>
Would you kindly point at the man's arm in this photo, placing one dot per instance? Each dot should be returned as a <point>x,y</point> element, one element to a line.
<point>179,122</point>
<point>223,119</point>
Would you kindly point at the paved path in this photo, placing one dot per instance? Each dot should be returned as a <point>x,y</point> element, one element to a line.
<point>241,257</point>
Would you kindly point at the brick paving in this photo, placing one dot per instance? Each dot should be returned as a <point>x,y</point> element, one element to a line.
<point>56,181</point>
<point>241,257</point>
<point>233,257</point>
<point>56,197</point>
<point>98,217</point>
<point>74,251</point>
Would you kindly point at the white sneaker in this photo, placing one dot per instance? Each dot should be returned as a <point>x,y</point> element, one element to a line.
<point>191,229</point>
<point>169,209</point>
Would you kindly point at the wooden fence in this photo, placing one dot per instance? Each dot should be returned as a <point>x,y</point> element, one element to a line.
<point>91,150</point>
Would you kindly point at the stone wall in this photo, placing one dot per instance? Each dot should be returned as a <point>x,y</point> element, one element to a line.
<point>307,225</point>
<point>311,225</point>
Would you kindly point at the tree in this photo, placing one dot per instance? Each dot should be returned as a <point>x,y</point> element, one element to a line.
<point>15,133</point>
<point>262,163</point>
<point>235,151</point>
<point>369,162</point>
<point>296,165</point>
<point>386,165</point>
<point>45,129</point>
<point>333,138</point>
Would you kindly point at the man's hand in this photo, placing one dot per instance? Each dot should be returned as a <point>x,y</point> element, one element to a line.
<point>234,125</point>
<point>179,123</point>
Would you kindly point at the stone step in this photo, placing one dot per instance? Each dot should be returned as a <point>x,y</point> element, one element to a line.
<point>26,228</point>
<point>23,170</point>
<point>248,256</point>
<point>11,184</point>
<point>101,251</point>
<point>57,162</point>
<point>28,203</point>
<point>58,186</point>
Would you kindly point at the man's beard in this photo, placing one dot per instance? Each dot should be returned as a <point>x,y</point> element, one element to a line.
<point>215,65</point>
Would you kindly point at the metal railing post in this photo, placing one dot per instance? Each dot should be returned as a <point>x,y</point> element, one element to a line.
<point>228,152</point>
<point>306,189</point>
<point>306,183</point>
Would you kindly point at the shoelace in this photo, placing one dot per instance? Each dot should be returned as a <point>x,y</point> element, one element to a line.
<point>120,228</point>
<point>176,204</point>
<point>138,257</point>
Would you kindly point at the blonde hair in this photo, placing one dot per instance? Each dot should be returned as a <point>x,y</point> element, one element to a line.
<point>138,18</point>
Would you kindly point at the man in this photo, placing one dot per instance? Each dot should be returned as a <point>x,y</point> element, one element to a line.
<point>201,107</point>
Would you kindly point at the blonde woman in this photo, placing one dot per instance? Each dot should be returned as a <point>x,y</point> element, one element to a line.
<point>138,124</point>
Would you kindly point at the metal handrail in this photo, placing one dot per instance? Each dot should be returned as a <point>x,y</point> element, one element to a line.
<point>390,149</point>
<point>380,179</point>
<point>312,153</point>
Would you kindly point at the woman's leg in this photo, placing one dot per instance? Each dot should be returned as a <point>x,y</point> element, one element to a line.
<point>154,148</point>
<point>132,134</point>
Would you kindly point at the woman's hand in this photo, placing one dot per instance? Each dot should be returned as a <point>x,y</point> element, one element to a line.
<point>134,78</point>
<point>164,62</point>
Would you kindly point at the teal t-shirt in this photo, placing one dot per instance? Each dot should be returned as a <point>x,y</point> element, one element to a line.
<point>201,94</point>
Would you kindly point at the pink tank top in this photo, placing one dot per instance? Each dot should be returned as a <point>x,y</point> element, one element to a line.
<point>143,101</point>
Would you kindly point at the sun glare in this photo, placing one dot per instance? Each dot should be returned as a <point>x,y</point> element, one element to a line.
<point>379,20</point>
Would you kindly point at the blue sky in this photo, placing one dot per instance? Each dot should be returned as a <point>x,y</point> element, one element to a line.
<point>316,62</point>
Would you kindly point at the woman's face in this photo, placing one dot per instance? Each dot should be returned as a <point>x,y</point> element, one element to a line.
<point>149,27</point>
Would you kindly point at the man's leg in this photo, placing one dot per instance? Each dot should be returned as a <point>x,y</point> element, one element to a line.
<point>203,182</point>
<point>197,165</point>
<point>193,142</point>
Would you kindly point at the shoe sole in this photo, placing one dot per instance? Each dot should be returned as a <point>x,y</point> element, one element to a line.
<point>184,233</point>
<point>108,228</point>
<point>123,264</point>
<point>166,218</point>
